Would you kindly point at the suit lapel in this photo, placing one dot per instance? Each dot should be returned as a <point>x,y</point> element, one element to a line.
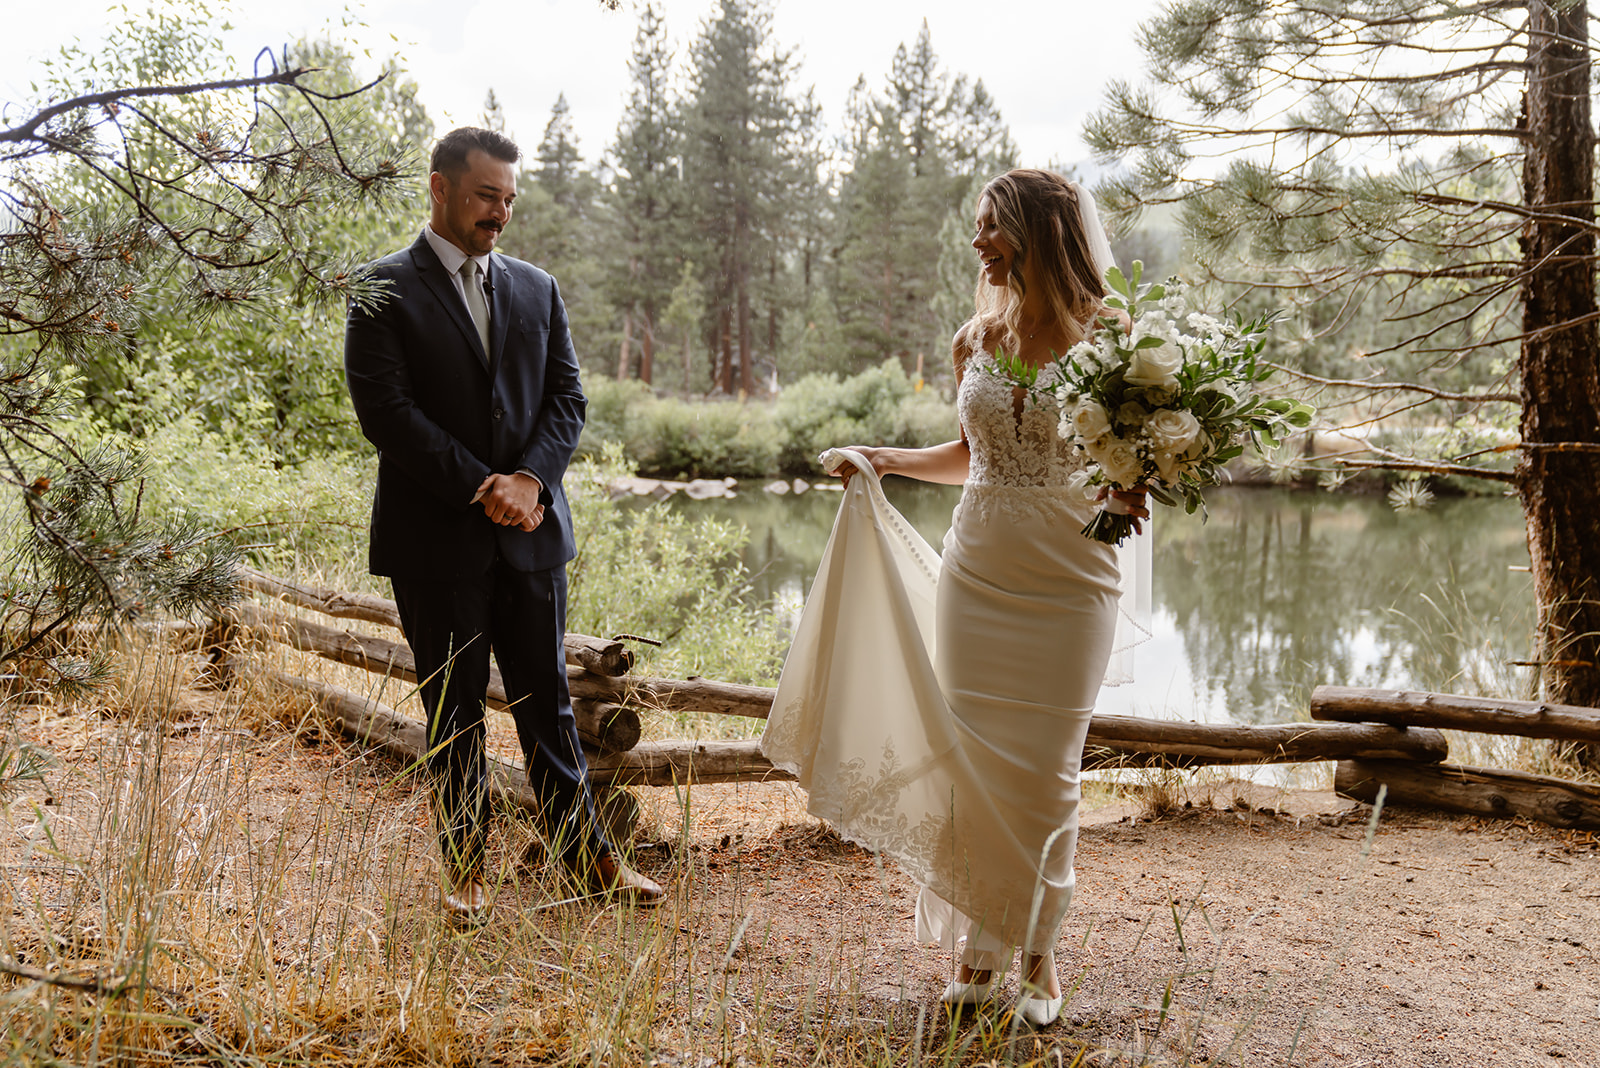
<point>433,275</point>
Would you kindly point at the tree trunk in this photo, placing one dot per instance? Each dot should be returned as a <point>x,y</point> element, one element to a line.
<point>627,342</point>
<point>725,342</point>
<point>1559,364</point>
<point>746,381</point>
<point>647,349</point>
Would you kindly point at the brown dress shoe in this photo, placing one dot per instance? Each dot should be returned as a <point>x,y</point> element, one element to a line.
<point>610,876</point>
<point>467,902</point>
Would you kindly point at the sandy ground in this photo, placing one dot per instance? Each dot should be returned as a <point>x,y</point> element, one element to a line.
<point>1253,926</point>
<point>1256,927</point>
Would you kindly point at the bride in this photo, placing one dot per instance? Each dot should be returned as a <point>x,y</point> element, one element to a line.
<point>935,709</point>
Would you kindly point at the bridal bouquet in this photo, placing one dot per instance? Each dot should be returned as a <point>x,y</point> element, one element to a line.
<point>1163,405</point>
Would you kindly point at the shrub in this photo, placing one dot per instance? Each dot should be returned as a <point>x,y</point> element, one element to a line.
<point>883,406</point>
<point>650,570</point>
<point>670,438</point>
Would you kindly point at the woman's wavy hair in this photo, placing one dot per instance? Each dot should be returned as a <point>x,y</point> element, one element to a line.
<point>1037,212</point>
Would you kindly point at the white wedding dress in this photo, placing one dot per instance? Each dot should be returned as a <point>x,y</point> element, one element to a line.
<point>935,710</point>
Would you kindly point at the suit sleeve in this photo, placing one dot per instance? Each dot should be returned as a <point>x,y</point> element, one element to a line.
<point>560,419</point>
<point>385,403</point>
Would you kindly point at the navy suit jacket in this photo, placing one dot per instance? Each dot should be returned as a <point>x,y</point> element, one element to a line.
<point>444,414</point>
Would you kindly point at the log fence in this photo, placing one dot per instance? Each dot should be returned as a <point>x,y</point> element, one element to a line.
<point>1377,737</point>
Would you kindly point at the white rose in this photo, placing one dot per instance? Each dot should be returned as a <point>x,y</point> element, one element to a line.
<point>1169,466</point>
<point>1078,483</point>
<point>1172,431</point>
<point>1090,421</point>
<point>1155,366</point>
<point>1119,460</point>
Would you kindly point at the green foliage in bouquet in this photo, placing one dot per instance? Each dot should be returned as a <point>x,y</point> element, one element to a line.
<point>1161,401</point>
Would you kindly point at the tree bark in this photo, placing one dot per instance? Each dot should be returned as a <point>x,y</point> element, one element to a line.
<point>623,355</point>
<point>1401,708</point>
<point>602,656</point>
<point>1560,358</point>
<point>1131,741</point>
<point>1475,791</point>
<point>647,349</point>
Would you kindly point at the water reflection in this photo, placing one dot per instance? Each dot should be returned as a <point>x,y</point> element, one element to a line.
<point>1279,592</point>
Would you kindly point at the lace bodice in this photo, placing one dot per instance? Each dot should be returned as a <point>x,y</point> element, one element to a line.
<point>1017,462</point>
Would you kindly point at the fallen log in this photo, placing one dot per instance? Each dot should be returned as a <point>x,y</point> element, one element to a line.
<point>606,725</point>
<point>1474,791</point>
<point>677,695</point>
<point>394,658</point>
<point>599,655</point>
<point>650,764</point>
<point>670,763</point>
<point>1132,741</point>
<point>382,728</point>
<point>1410,708</point>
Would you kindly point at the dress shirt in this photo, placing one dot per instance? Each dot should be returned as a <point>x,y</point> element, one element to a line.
<point>453,258</point>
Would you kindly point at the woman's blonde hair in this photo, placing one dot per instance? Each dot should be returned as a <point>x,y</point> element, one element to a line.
<point>1037,212</point>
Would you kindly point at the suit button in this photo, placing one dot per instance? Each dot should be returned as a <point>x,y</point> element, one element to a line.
<point>499,413</point>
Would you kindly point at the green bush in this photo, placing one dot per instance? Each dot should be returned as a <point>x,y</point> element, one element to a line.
<point>883,406</point>
<point>671,438</point>
<point>652,571</point>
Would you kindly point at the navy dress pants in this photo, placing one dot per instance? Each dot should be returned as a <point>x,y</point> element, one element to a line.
<point>452,625</point>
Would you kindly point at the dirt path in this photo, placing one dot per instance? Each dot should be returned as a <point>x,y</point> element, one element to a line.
<point>1268,932</point>
<point>1270,936</point>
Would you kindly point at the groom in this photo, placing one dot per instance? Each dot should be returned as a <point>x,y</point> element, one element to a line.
<point>464,377</point>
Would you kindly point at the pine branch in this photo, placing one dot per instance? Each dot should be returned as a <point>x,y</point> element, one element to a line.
<point>1458,470</point>
<point>1399,387</point>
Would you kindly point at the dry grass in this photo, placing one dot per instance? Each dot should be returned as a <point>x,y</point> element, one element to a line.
<point>203,876</point>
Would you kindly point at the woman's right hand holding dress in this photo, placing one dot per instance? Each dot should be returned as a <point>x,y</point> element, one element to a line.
<point>946,463</point>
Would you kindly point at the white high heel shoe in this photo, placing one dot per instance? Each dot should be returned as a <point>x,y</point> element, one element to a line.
<point>1040,1012</point>
<point>959,993</point>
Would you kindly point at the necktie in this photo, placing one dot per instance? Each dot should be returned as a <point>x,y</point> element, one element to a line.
<point>475,302</point>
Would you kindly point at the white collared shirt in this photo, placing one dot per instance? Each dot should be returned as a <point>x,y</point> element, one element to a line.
<point>453,258</point>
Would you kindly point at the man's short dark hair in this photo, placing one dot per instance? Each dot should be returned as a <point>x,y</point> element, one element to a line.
<point>450,154</point>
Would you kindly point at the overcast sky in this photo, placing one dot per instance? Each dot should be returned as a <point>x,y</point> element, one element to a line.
<point>1045,61</point>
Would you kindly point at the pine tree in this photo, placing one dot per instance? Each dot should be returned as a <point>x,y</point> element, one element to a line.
<point>741,130</point>
<point>644,195</point>
<point>560,162</point>
<point>1483,208</point>
<point>145,183</point>
<point>913,152</point>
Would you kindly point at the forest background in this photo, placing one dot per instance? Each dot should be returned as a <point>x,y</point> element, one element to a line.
<point>749,280</point>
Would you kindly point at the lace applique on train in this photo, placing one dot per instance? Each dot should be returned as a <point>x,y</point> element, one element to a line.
<point>1021,466</point>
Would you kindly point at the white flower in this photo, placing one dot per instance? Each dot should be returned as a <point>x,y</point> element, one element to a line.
<point>1118,459</point>
<point>1172,430</point>
<point>1174,304</point>
<point>1132,414</point>
<point>1078,483</point>
<point>1090,421</point>
<point>1169,466</point>
<point>1155,366</point>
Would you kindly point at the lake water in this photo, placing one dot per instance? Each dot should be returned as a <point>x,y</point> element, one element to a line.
<point>1279,592</point>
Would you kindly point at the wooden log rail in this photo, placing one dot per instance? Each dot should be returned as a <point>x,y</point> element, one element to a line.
<point>1384,738</point>
<point>1114,741</point>
<point>597,655</point>
<point>1474,791</point>
<point>1406,708</point>
<point>648,764</point>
